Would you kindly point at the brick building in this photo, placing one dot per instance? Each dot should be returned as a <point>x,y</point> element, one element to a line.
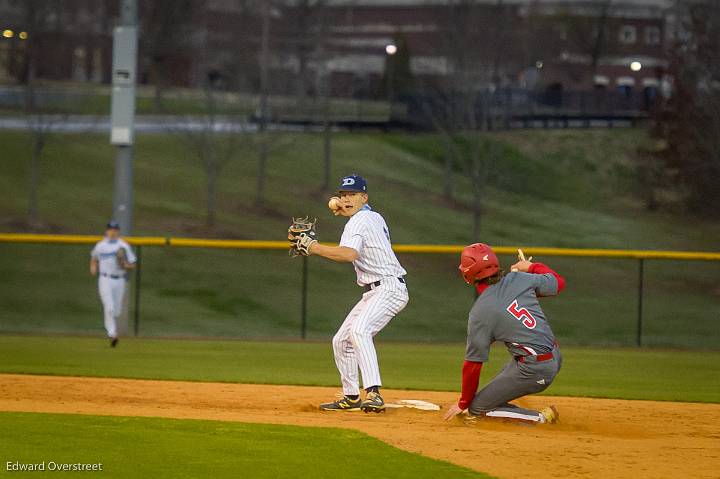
<point>553,45</point>
<point>566,44</point>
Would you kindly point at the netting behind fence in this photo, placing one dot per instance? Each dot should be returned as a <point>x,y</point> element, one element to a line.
<point>258,294</point>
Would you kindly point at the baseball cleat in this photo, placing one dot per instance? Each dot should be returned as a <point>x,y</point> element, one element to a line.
<point>113,342</point>
<point>344,403</point>
<point>373,403</point>
<point>467,418</point>
<point>550,414</point>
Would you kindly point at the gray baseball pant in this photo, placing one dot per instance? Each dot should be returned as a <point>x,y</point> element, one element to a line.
<point>517,379</point>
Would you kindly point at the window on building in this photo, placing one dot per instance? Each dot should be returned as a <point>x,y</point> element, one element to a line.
<point>4,61</point>
<point>562,32</point>
<point>83,15</point>
<point>652,35</point>
<point>97,65</point>
<point>628,34</point>
<point>51,17</point>
<point>79,64</point>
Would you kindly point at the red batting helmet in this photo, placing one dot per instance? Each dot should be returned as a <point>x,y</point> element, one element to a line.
<point>478,261</point>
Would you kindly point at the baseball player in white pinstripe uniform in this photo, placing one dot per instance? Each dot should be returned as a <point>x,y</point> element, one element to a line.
<point>109,261</point>
<point>366,243</point>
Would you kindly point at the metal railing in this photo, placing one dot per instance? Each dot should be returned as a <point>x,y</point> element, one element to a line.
<point>139,242</point>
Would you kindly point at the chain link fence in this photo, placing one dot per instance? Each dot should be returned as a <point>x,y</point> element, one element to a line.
<point>264,294</point>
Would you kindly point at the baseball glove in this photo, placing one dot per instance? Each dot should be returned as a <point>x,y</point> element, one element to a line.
<point>122,258</point>
<point>301,235</point>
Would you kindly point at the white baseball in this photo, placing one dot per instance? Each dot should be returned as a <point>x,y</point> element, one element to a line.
<point>334,204</point>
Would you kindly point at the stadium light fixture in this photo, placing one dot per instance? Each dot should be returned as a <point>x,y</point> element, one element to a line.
<point>539,64</point>
<point>23,35</point>
<point>636,66</point>
<point>390,49</point>
<point>8,33</point>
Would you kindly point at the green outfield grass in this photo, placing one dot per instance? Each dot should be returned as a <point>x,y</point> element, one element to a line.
<point>550,188</point>
<point>150,447</point>
<point>609,373</point>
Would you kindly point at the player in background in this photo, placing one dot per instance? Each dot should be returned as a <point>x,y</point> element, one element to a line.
<point>366,243</point>
<point>109,260</point>
<point>507,310</point>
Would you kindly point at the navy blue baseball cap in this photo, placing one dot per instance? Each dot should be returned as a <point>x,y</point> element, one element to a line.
<point>353,183</point>
<point>113,225</point>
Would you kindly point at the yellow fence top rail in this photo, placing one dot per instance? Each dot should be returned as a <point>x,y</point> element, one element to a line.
<point>77,239</point>
<point>400,248</point>
<point>234,244</point>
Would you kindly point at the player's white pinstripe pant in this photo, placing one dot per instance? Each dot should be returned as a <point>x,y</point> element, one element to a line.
<point>111,295</point>
<point>353,343</point>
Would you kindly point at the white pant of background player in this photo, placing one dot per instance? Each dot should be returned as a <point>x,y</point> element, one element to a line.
<point>112,291</point>
<point>353,343</point>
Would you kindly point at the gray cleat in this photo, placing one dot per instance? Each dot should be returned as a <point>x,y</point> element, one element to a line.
<point>342,404</point>
<point>373,403</point>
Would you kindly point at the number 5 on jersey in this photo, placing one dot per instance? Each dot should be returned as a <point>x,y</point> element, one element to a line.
<point>522,314</point>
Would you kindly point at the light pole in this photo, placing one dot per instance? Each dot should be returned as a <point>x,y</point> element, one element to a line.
<point>122,111</point>
<point>122,124</point>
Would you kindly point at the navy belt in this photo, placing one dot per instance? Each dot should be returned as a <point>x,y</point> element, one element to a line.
<point>113,276</point>
<point>371,286</point>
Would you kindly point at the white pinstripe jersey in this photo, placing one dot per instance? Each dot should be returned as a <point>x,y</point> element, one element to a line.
<point>105,251</point>
<point>367,233</point>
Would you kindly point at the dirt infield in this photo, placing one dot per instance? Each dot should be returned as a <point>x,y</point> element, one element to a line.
<point>595,438</point>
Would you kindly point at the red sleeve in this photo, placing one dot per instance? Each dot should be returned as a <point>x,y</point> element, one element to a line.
<point>470,380</point>
<point>539,268</point>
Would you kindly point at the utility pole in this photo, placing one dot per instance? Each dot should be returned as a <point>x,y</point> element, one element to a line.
<point>122,116</point>
<point>122,124</point>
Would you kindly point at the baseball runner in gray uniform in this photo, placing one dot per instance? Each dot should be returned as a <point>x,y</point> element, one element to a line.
<point>507,310</point>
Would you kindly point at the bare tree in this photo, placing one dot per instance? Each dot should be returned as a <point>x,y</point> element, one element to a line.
<point>586,33</point>
<point>218,131</point>
<point>688,125</point>
<point>600,38</point>
<point>317,33</point>
<point>166,32</point>
<point>327,132</point>
<point>306,31</point>
<point>462,109</point>
<point>40,124</point>
<point>264,61</point>
<point>40,107</point>
<point>214,139</point>
<point>301,42</point>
